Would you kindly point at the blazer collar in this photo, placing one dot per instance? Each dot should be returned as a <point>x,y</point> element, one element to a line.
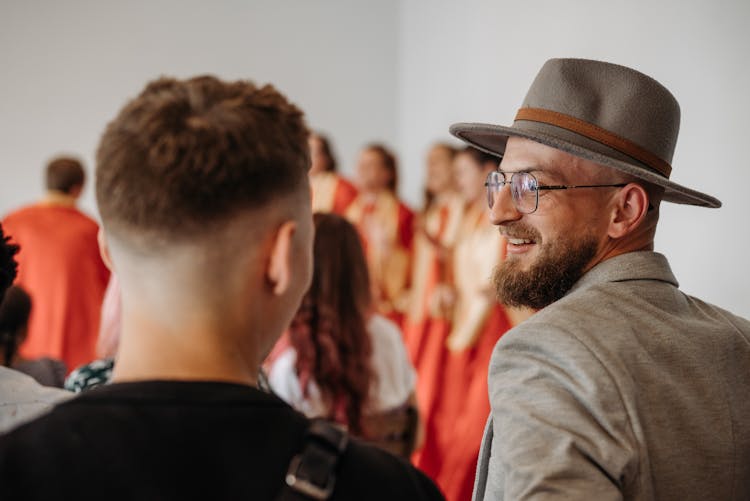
<point>641,265</point>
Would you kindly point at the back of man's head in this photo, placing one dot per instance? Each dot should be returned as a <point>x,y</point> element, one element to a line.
<point>203,191</point>
<point>64,174</point>
<point>185,155</point>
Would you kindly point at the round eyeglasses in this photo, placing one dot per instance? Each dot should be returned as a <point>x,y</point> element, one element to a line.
<point>524,188</point>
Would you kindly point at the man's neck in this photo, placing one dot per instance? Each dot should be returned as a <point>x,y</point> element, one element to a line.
<point>195,353</point>
<point>59,198</point>
<point>614,249</point>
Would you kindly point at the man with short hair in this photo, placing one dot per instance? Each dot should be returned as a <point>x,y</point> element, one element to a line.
<point>205,201</point>
<point>621,386</point>
<point>61,268</point>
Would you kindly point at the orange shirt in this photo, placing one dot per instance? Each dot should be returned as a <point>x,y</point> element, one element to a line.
<point>60,267</point>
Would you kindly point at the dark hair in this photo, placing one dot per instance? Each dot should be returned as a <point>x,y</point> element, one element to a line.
<point>185,153</point>
<point>64,174</point>
<point>332,165</point>
<point>388,158</point>
<point>14,318</point>
<point>329,331</point>
<point>8,265</point>
<point>480,157</point>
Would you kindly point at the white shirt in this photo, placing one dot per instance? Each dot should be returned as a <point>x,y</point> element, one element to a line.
<point>23,399</point>
<point>395,378</point>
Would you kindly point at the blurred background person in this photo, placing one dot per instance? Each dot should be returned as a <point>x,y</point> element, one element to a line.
<point>331,192</point>
<point>21,397</point>
<point>14,322</point>
<point>340,360</point>
<point>427,321</point>
<point>386,226</point>
<point>60,267</point>
<point>460,408</point>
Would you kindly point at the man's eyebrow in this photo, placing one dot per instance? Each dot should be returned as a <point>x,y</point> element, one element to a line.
<point>527,169</point>
<point>536,169</point>
<point>547,174</point>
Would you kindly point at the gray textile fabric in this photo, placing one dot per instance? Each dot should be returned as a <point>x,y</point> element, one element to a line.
<point>23,399</point>
<point>626,388</point>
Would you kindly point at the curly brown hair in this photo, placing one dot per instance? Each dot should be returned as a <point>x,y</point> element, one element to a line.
<point>329,331</point>
<point>185,153</point>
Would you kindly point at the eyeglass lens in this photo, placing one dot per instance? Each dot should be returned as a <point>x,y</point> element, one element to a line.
<point>523,189</point>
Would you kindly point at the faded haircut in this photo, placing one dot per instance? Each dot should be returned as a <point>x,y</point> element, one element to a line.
<point>185,155</point>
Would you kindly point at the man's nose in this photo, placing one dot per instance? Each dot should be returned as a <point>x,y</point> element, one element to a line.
<point>504,209</point>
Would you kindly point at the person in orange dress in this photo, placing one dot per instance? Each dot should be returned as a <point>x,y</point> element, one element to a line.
<point>426,323</point>
<point>386,226</point>
<point>331,192</point>
<point>459,413</point>
<point>61,268</point>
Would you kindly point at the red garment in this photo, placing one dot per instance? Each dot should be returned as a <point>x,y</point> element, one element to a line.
<point>453,358</point>
<point>458,414</point>
<point>426,326</point>
<point>343,197</point>
<point>60,267</point>
<point>428,354</point>
<point>331,193</point>
<point>386,226</point>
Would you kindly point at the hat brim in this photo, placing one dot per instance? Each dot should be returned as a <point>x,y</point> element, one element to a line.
<point>493,138</point>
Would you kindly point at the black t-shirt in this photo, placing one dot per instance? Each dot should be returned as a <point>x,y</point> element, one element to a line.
<point>182,440</point>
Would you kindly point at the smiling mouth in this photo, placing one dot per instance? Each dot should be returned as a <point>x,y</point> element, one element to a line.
<point>520,241</point>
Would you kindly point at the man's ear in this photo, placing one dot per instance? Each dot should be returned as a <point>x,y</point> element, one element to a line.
<point>631,206</point>
<point>104,249</point>
<point>279,272</point>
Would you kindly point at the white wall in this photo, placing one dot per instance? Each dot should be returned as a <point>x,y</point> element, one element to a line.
<point>67,67</point>
<point>401,72</point>
<point>474,60</point>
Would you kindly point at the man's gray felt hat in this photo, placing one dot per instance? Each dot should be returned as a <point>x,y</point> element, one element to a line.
<point>606,113</point>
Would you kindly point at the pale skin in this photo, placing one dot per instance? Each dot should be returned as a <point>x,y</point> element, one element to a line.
<point>211,308</point>
<point>70,199</point>
<point>372,177</point>
<point>618,218</point>
<point>440,180</point>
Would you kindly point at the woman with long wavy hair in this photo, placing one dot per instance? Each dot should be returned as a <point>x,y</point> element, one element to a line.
<point>342,361</point>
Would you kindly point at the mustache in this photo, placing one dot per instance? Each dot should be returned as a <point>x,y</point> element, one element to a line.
<point>519,230</point>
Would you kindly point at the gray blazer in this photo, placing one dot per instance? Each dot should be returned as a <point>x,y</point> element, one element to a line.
<point>626,388</point>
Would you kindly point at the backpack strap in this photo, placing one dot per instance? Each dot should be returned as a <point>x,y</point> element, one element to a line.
<point>312,472</point>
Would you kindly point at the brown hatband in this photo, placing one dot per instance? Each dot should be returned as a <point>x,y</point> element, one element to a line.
<point>596,133</point>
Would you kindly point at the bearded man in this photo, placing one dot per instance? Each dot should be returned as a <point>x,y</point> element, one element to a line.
<point>621,386</point>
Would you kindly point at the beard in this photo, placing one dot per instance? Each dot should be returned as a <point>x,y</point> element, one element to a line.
<point>560,264</point>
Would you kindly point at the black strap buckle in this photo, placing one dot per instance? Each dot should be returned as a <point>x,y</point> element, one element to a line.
<point>295,478</point>
<point>312,472</point>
